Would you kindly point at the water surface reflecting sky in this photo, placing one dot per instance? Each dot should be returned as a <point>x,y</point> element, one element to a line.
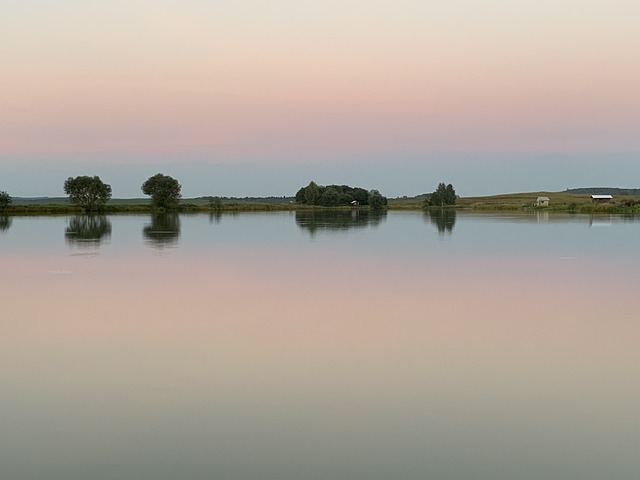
<point>497,347</point>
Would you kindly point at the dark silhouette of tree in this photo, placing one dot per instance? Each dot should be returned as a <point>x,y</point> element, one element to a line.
<point>376,200</point>
<point>444,195</point>
<point>5,200</point>
<point>88,230</point>
<point>330,197</point>
<point>338,195</point>
<point>90,193</point>
<point>311,194</point>
<point>163,190</point>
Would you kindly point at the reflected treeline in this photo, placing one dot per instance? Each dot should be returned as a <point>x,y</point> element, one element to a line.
<point>335,220</point>
<point>604,219</point>
<point>444,219</point>
<point>163,231</point>
<point>5,223</point>
<point>215,216</point>
<point>88,230</point>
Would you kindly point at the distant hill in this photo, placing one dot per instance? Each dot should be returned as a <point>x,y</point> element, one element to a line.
<point>604,191</point>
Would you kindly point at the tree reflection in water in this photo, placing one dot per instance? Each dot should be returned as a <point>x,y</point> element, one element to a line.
<point>163,231</point>
<point>5,223</point>
<point>88,230</point>
<point>444,219</point>
<point>215,216</point>
<point>336,220</point>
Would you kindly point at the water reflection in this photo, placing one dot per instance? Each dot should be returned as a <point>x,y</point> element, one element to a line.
<point>88,230</point>
<point>336,220</point>
<point>163,231</point>
<point>599,220</point>
<point>5,223</point>
<point>444,219</point>
<point>215,216</point>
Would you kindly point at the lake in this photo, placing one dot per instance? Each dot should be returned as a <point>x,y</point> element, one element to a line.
<point>303,346</point>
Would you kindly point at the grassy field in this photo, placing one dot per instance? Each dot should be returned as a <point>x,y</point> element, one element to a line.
<point>558,201</point>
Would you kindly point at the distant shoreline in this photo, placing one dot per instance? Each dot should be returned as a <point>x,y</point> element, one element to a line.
<point>559,202</point>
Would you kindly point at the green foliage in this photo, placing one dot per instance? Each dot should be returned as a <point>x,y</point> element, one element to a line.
<point>163,190</point>
<point>90,193</point>
<point>443,195</point>
<point>5,200</point>
<point>311,194</point>
<point>376,200</point>
<point>336,196</point>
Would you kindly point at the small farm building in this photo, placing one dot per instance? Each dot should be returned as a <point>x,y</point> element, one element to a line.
<point>601,198</point>
<point>542,202</point>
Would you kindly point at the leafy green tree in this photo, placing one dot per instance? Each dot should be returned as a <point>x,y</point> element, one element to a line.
<point>90,193</point>
<point>5,200</point>
<point>330,197</point>
<point>450,195</point>
<point>443,195</point>
<point>163,190</point>
<point>300,197</point>
<point>360,195</point>
<point>312,193</point>
<point>376,200</point>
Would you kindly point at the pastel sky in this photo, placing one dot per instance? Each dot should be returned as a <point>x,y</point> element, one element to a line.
<point>258,97</point>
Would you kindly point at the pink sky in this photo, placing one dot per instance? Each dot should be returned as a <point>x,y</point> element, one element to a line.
<point>270,82</point>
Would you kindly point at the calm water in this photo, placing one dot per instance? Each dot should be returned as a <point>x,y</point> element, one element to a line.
<point>297,346</point>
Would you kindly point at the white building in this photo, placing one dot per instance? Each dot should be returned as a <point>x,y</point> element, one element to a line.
<point>601,198</point>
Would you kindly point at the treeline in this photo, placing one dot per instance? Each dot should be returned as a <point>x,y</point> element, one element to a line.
<point>339,195</point>
<point>604,191</point>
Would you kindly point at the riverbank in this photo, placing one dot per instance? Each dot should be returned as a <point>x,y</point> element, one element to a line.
<point>560,202</point>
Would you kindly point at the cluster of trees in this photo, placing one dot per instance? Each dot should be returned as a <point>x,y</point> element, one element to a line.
<point>339,195</point>
<point>444,195</point>
<point>91,193</point>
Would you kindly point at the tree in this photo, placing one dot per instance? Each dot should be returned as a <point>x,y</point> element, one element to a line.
<point>163,190</point>
<point>330,197</point>
<point>312,193</point>
<point>333,195</point>
<point>450,196</point>
<point>90,193</point>
<point>376,200</point>
<point>442,196</point>
<point>5,200</point>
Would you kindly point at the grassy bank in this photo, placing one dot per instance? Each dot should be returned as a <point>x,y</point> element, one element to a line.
<point>126,207</point>
<point>558,202</point>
